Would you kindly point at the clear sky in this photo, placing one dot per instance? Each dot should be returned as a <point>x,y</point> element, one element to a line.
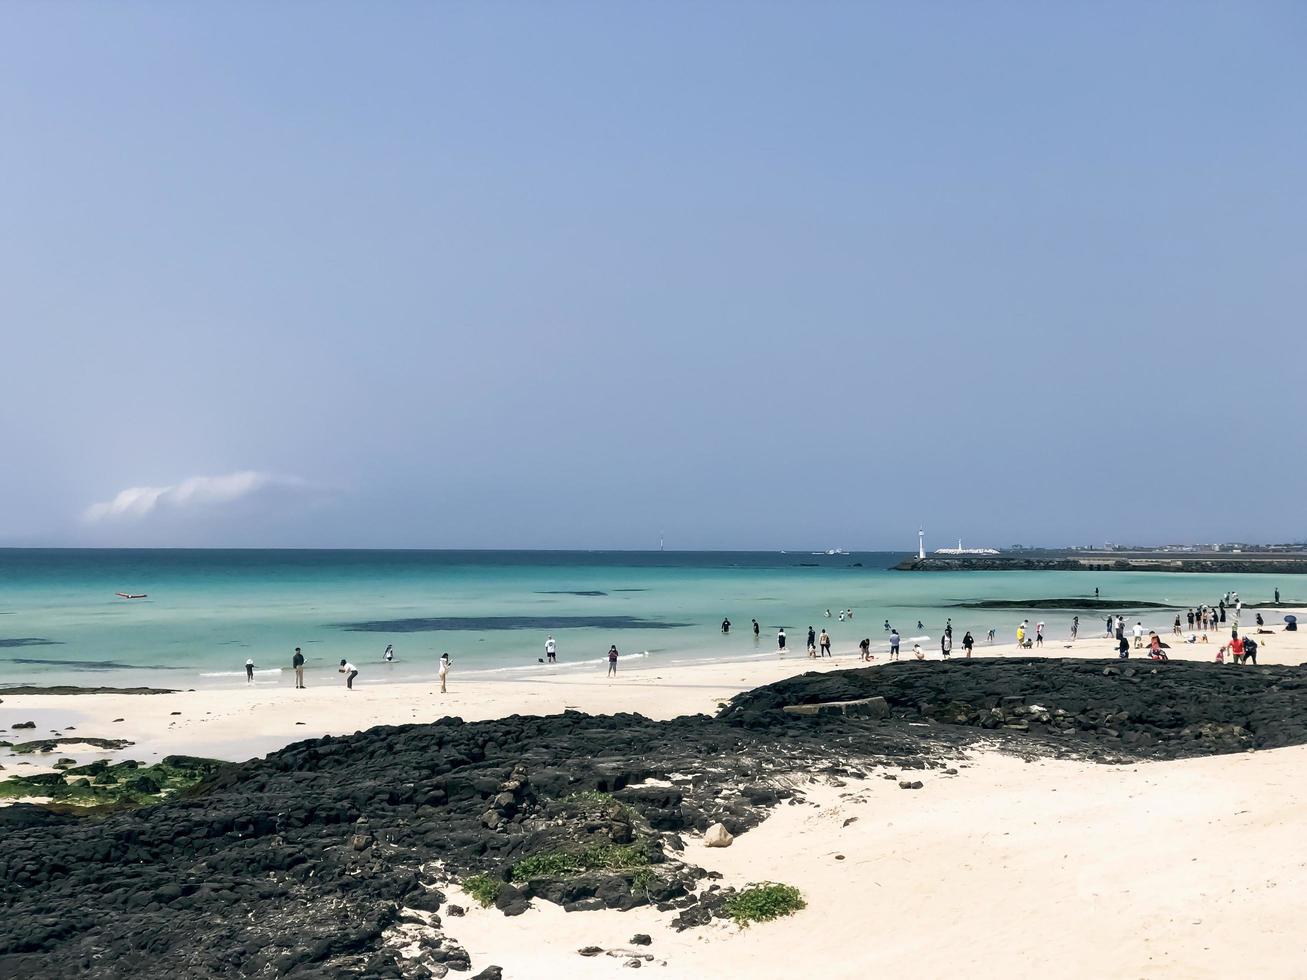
<point>754,275</point>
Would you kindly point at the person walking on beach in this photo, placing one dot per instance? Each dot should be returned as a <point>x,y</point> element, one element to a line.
<point>946,645</point>
<point>968,641</point>
<point>612,660</point>
<point>825,644</point>
<point>894,644</point>
<point>1039,634</point>
<point>443,670</point>
<point>297,664</point>
<point>249,670</point>
<point>551,649</point>
<point>1139,635</point>
<point>780,639</point>
<point>350,672</point>
<point>812,642</point>
<point>1075,626</point>
<point>1108,630</point>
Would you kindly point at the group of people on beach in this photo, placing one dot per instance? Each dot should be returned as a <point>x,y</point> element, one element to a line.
<point>1240,649</point>
<point>348,669</point>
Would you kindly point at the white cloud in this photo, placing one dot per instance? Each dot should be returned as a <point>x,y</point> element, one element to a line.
<point>190,494</point>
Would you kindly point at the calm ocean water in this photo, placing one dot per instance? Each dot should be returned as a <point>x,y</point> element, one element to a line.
<point>207,611</point>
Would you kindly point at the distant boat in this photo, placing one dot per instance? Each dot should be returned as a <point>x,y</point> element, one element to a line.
<point>831,551</point>
<point>131,595</point>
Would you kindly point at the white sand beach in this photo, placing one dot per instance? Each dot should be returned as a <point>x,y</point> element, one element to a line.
<point>1183,869</point>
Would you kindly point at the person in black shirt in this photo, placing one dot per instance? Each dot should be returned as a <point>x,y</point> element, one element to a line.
<point>297,662</point>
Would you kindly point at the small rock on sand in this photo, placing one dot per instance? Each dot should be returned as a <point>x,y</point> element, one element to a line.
<point>717,836</point>
<point>910,784</point>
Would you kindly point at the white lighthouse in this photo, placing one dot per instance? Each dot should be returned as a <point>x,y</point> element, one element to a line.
<point>921,544</point>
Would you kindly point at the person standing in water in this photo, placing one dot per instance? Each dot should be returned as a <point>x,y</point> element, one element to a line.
<point>756,630</point>
<point>612,660</point>
<point>551,649</point>
<point>389,655</point>
<point>350,672</point>
<point>780,639</point>
<point>297,664</point>
<point>249,670</point>
<point>726,625</point>
<point>443,670</point>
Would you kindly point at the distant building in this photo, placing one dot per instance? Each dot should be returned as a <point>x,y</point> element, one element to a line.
<point>959,550</point>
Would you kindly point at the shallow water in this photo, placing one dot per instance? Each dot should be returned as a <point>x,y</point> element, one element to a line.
<point>207,611</point>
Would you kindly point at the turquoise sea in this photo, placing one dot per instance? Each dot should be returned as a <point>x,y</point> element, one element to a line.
<point>206,611</point>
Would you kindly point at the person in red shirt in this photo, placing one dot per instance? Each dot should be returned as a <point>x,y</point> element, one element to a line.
<point>1236,649</point>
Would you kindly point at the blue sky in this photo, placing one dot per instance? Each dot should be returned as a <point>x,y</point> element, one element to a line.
<point>568,275</point>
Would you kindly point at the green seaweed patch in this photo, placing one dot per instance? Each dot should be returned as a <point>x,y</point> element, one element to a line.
<point>120,785</point>
<point>763,902</point>
<point>563,864</point>
<point>592,803</point>
<point>483,889</point>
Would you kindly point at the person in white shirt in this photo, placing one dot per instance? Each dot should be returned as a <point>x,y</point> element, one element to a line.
<point>350,672</point>
<point>389,655</point>
<point>445,664</point>
<point>1139,635</point>
<point>551,649</point>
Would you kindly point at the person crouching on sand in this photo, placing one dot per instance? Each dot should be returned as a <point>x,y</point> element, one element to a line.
<point>445,664</point>
<point>350,672</point>
<point>865,647</point>
<point>916,651</point>
<point>612,657</point>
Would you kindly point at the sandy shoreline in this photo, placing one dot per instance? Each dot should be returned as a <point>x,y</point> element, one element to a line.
<point>1189,869</point>
<point>238,723</point>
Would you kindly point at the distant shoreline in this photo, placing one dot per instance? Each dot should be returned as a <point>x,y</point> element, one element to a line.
<point>1294,564</point>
